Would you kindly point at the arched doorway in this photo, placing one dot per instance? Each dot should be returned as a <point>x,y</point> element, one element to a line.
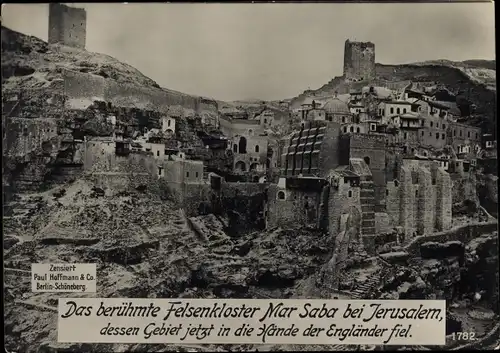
<point>240,166</point>
<point>243,145</point>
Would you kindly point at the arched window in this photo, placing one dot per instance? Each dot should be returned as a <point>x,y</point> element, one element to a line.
<point>398,111</point>
<point>243,145</point>
<point>349,193</point>
<point>241,166</point>
<point>281,195</point>
<point>256,148</point>
<point>343,119</point>
<point>351,129</point>
<point>235,148</point>
<point>345,128</point>
<point>367,160</point>
<point>357,130</point>
<point>404,110</point>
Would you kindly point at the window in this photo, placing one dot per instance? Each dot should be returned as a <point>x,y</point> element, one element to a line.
<point>349,193</point>
<point>159,171</point>
<point>432,124</point>
<point>235,148</point>
<point>404,110</point>
<point>430,133</point>
<point>437,124</point>
<point>422,122</point>
<point>187,174</point>
<point>281,195</point>
<point>373,127</point>
<point>357,130</point>
<point>398,111</point>
<point>386,192</point>
<point>416,193</point>
<point>197,174</point>
<point>422,133</point>
<point>392,110</point>
<point>442,136</point>
<point>257,148</point>
<point>329,118</point>
<point>367,160</point>
<point>168,122</point>
<point>343,119</point>
<point>405,136</point>
<point>476,136</point>
<point>444,126</point>
<point>345,128</point>
<point>157,153</point>
<point>396,183</point>
<point>468,134</point>
<point>460,133</point>
<point>437,135</point>
<point>351,129</point>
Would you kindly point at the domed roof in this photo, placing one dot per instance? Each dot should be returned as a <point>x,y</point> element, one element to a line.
<point>336,106</point>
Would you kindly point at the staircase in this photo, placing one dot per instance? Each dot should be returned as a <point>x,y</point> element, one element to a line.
<point>365,290</point>
<point>367,206</point>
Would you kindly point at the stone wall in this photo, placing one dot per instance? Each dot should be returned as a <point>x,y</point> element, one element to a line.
<point>87,87</point>
<point>340,202</point>
<point>67,25</point>
<point>113,183</point>
<point>406,202</point>
<point>426,195</point>
<point>244,206</point>
<point>100,157</point>
<point>359,60</point>
<point>84,87</point>
<point>300,208</point>
<point>463,233</point>
<point>371,148</point>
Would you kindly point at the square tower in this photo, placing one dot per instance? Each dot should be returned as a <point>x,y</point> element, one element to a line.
<point>67,25</point>
<point>359,61</point>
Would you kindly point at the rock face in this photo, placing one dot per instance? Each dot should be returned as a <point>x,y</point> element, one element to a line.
<point>54,96</point>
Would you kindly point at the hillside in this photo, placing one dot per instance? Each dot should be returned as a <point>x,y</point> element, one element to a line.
<point>31,65</point>
<point>473,80</point>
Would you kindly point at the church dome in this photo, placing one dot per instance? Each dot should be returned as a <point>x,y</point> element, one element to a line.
<point>336,106</point>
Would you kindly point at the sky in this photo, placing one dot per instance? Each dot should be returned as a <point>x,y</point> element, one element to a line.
<point>268,51</point>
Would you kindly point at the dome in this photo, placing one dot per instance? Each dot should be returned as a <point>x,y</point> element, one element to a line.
<point>336,106</point>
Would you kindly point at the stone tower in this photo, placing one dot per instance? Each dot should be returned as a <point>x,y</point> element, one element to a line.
<point>67,25</point>
<point>359,61</point>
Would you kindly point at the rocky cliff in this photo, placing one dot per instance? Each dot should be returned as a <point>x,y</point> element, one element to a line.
<point>54,95</point>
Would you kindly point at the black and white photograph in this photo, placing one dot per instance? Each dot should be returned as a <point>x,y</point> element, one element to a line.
<point>336,151</point>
